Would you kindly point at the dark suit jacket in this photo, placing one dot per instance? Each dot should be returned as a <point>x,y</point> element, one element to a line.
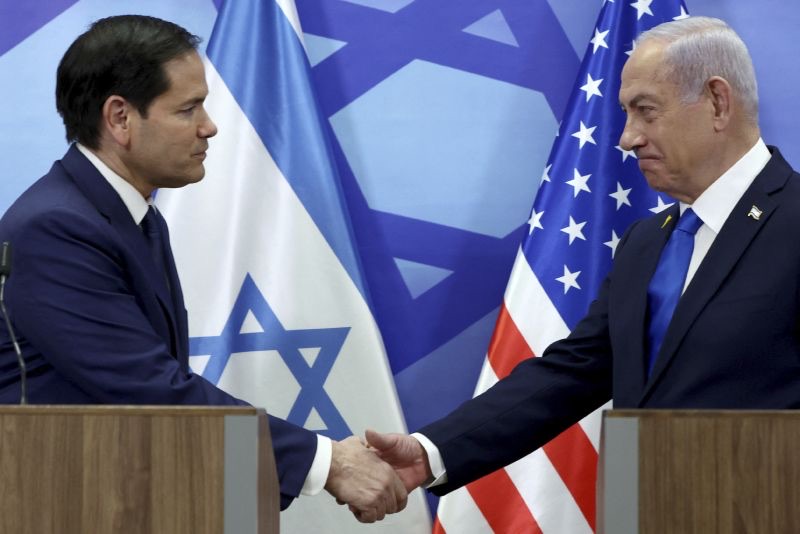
<point>733,343</point>
<point>96,321</point>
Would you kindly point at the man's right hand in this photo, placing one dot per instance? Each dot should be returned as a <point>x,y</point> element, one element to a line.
<point>404,454</point>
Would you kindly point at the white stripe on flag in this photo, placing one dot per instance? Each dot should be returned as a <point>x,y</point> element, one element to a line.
<point>540,324</point>
<point>547,497</point>
<point>591,425</point>
<point>487,378</point>
<point>531,309</point>
<point>458,514</point>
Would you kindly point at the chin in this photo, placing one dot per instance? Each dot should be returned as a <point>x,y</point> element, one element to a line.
<point>183,181</point>
<point>654,182</point>
<point>196,174</point>
<point>194,179</point>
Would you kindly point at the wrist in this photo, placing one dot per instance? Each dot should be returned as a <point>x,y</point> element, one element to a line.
<point>336,463</point>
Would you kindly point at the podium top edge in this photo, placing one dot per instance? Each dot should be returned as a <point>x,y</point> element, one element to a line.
<point>115,409</point>
<point>639,414</point>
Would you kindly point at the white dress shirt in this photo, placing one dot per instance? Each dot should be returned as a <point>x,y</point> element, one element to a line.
<point>716,203</point>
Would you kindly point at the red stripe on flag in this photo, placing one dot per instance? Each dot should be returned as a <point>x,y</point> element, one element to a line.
<point>574,458</point>
<point>507,347</point>
<point>572,454</point>
<point>501,504</point>
<point>438,528</point>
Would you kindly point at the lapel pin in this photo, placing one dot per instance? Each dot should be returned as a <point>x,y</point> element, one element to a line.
<point>668,219</point>
<point>755,213</point>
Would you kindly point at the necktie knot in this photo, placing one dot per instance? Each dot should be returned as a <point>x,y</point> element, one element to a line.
<point>689,222</point>
<point>150,224</point>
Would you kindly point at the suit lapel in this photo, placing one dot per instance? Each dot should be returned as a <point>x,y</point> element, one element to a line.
<point>734,238</point>
<point>179,309</point>
<point>110,205</point>
<point>133,237</point>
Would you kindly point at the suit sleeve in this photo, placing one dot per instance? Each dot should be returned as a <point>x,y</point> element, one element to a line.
<point>538,400</point>
<point>73,302</point>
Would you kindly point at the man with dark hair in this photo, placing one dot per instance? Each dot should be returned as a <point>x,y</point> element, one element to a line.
<point>95,298</point>
<point>120,55</point>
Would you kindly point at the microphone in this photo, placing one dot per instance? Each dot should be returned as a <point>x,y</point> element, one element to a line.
<point>5,272</point>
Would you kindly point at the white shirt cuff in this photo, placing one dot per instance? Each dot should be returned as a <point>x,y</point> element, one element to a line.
<point>434,460</point>
<point>320,467</point>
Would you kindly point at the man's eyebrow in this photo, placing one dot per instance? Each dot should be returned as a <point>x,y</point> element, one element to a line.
<point>637,99</point>
<point>194,100</point>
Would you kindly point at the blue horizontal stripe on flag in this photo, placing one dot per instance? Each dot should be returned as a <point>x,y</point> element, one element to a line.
<point>263,63</point>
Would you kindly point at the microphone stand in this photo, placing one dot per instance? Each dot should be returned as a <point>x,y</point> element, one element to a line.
<point>5,272</point>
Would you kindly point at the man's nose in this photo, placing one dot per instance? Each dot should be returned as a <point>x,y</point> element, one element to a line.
<point>207,127</point>
<point>631,138</point>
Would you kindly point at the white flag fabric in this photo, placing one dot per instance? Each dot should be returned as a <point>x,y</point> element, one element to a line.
<point>277,311</point>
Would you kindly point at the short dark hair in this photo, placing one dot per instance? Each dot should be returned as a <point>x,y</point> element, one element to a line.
<point>123,55</point>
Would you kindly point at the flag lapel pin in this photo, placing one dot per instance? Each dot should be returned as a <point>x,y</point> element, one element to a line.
<point>755,213</point>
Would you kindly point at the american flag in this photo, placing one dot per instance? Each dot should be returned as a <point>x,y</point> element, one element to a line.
<point>591,190</point>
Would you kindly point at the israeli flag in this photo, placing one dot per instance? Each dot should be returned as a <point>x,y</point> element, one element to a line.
<point>277,310</point>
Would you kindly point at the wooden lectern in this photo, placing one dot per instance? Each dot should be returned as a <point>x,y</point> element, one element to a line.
<point>136,469</point>
<point>699,472</point>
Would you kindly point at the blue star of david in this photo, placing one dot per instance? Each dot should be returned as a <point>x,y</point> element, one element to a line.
<point>288,344</point>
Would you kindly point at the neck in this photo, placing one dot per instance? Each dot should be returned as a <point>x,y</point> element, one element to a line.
<point>736,147</point>
<point>730,150</point>
<point>116,162</point>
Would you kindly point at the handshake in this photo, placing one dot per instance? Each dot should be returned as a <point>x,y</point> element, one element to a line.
<point>374,477</point>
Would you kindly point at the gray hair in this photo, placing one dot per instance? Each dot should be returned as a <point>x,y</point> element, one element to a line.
<point>698,48</point>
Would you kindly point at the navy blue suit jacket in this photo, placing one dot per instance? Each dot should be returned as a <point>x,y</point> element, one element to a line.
<point>733,343</point>
<point>95,320</point>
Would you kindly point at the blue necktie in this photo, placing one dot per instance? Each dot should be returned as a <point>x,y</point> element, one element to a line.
<point>155,240</point>
<point>667,283</point>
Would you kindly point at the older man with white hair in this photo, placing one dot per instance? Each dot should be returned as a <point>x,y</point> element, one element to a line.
<point>702,307</point>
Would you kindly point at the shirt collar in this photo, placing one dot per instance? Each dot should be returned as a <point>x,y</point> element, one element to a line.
<point>133,199</point>
<point>717,202</point>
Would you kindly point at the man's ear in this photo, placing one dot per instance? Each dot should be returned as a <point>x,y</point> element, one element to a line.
<point>116,119</point>
<point>721,95</point>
